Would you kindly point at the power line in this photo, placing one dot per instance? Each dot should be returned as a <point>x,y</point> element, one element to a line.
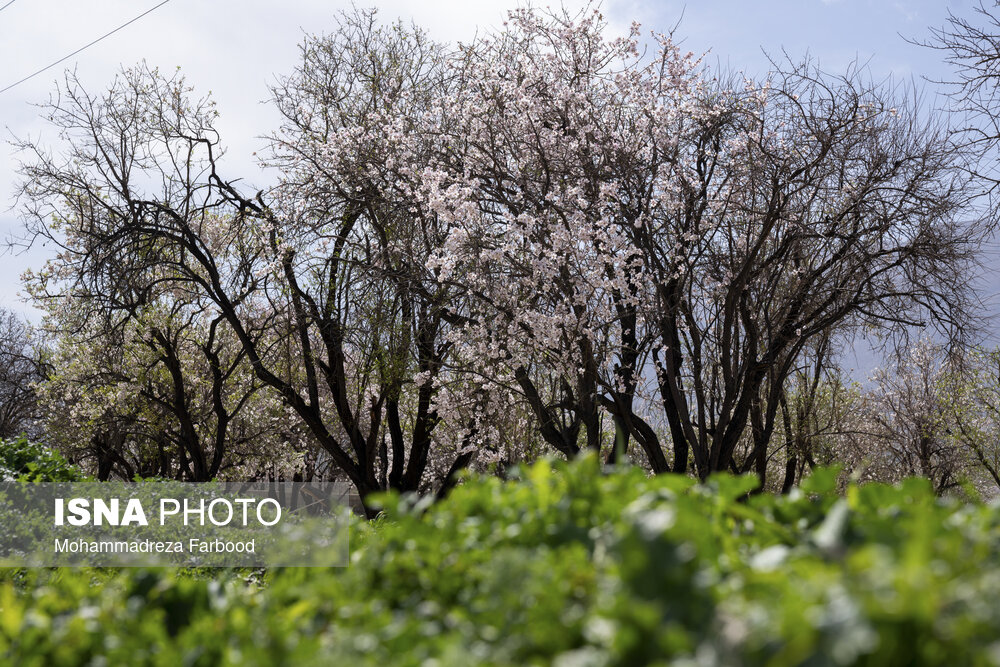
<point>7,5</point>
<point>86,46</point>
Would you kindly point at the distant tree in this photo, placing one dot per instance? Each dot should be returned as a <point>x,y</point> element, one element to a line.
<point>166,393</point>
<point>930,412</point>
<point>973,402</point>
<point>21,366</point>
<point>912,416</point>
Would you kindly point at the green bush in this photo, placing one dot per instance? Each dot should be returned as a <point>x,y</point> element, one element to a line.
<point>567,565</point>
<point>33,462</point>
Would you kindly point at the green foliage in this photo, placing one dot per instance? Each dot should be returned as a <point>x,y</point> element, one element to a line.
<point>33,462</point>
<point>567,565</point>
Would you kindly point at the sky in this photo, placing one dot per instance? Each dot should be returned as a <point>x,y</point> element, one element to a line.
<point>235,49</point>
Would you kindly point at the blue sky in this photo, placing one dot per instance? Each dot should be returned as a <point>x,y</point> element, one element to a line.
<point>835,31</point>
<point>235,48</point>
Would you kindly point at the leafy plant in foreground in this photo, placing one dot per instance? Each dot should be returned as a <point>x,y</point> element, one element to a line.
<point>567,564</point>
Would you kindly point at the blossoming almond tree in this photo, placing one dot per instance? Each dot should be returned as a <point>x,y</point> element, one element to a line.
<point>551,133</point>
